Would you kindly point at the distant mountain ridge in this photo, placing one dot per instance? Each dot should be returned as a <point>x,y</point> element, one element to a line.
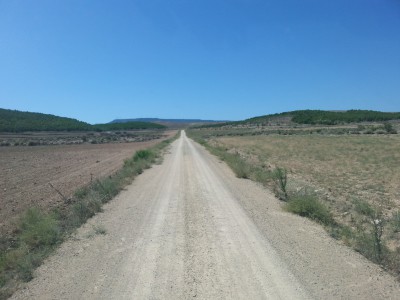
<point>157,120</point>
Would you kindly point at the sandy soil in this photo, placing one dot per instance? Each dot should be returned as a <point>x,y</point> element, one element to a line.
<point>27,171</point>
<point>189,228</point>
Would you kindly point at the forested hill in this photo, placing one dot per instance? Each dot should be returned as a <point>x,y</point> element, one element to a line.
<point>328,117</point>
<point>18,121</point>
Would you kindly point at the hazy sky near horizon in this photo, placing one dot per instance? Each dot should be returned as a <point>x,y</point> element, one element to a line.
<point>211,59</point>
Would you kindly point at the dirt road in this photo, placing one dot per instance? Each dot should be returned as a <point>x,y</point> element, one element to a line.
<point>188,228</point>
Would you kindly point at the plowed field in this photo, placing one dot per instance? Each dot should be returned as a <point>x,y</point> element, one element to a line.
<point>27,172</point>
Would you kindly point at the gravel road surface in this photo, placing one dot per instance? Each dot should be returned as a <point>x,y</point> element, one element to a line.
<point>188,228</point>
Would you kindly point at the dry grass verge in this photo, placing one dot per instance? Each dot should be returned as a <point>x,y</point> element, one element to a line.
<point>346,183</point>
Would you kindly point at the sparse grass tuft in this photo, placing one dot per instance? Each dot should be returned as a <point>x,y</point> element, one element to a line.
<point>99,229</point>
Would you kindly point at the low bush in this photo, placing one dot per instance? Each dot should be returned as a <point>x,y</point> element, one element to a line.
<point>362,207</point>
<point>309,206</point>
<point>144,155</point>
<point>279,176</point>
<point>38,229</point>
<point>395,222</point>
<point>241,169</point>
<point>389,128</point>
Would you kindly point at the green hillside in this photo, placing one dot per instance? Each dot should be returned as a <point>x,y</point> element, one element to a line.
<point>18,121</point>
<point>329,117</point>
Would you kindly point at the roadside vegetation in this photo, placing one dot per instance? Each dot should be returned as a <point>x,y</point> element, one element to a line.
<point>39,233</point>
<point>347,183</point>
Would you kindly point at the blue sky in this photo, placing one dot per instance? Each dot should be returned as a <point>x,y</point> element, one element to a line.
<point>211,59</point>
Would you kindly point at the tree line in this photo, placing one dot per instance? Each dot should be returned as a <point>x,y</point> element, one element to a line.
<point>18,121</point>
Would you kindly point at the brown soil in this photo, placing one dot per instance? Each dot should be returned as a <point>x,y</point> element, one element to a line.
<point>27,172</point>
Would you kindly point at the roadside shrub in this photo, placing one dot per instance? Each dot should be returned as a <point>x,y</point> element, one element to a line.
<point>262,175</point>
<point>84,210</point>
<point>395,222</point>
<point>369,131</point>
<point>142,160</point>
<point>81,192</point>
<point>27,263</point>
<point>279,176</point>
<point>389,128</point>
<point>143,155</point>
<point>39,229</point>
<point>370,246</point>
<point>241,169</point>
<point>309,206</point>
<point>377,231</point>
<point>107,188</point>
<point>38,233</point>
<point>363,207</point>
<point>342,232</point>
